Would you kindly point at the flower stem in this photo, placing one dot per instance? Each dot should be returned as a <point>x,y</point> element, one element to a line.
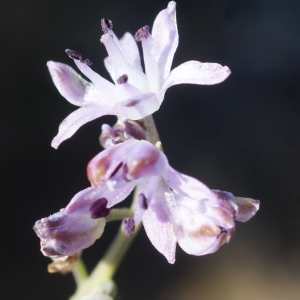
<point>79,272</point>
<point>118,214</point>
<point>151,129</point>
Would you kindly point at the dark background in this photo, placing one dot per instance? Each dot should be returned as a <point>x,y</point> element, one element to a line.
<point>241,136</point>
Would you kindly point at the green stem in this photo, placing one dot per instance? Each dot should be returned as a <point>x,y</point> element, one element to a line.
<point>79,272</point>
<point>118,214</point>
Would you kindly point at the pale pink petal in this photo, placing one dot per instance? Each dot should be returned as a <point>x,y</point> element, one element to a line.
<point>165,36</point>
<point>247,208</point>
<point>195,72</point>
<point>106,88</point>
<point>137,107</point>
<point>188,186</point>
<point>69,83</point>
<point>151,65</point>
<point>75,120</point>
<point>202,229</point>
<point>130,49</point>
<point>82,201</point>
<point>158,223</point>
<point>121,67</point>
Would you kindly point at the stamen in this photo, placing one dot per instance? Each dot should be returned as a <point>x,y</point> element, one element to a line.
<point>142,33</point>
<point>74,54</point>
<point>87,62</point>
<point>122,79</point>
<point>106,24</point>
<point>128,226</point>
<point>143,201</point>
<point>98,209</point>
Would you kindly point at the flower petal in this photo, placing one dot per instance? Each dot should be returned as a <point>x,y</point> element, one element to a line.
<point>76,119</point>
<point>165,36</point>
<point>132,162</point>
<point>137,107</point>
<point>121,67</point>
<point>106,90</point>
<point>247,208</point>
<point>195,72</point>
<point>130,50</point>
<point>83,200</point>
<point>62,234</point>
<point>69,83</point>
<point>201,228</point>
<point>158,223</point>
<point>188,186</point>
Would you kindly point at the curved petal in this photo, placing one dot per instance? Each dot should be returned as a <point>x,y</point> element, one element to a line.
<point>188,186</point>
<point>195,72</point>
<point>130,49</point>
<point>69,83</point>
<point>132,162</point>
<point>202,229</point>
<point>75,120</point>
<point>151,65</point>
<point>106,88</point>
<point>82,201</point>
<point>165,36</point>
<point>247,208</point>
<point>158,222</point>
<point>121,67</point>
<point>137,107</point>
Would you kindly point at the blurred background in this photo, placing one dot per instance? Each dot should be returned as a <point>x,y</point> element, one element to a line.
<point>241,136</point>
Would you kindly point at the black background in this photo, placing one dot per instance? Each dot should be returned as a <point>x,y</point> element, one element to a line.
<point>241,136</point>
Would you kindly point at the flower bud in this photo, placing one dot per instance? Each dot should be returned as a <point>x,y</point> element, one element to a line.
<point>64,234</point>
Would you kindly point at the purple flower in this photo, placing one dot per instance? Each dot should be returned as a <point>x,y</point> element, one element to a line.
<point>173,207</point>
<point>134,94</point>
<point>74,228</point>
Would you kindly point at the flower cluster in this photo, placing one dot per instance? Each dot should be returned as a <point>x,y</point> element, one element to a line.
<point>173,207</point>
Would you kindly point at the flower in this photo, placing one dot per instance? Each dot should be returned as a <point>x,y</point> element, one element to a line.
<point>72,229</point>
<point>173,207</point>
<point>134,94</point>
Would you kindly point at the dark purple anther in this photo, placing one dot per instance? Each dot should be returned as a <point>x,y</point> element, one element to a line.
<point>142,33</point>
<point>122,79</point>
<point>98,209</point>
<point>74,54</point>
<point>106,24</point>
<point>143,201</point>
<point>128,226</point>
<point>87,62</point>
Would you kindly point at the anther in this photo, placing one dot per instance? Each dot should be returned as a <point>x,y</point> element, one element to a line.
<point>122,79</point>
<point>142,33</point>
<point>74,54</point>
<point>128,226</point>
<point>87,62</point>
<point>98,209</point>
<point>106,24</point>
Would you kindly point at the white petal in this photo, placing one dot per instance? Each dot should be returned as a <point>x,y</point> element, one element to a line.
<point>69,83</point>
<point>158,223</point>
<point>195,72</point>
<point>130,50</point>
<point>137,107</point>
<point>135,77</point>
<point>106,88</point>
<point>76,119</point>
<point>188,186</point>
<point>165,37</point>
<point>247,208</point>
<point>151,65</point>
